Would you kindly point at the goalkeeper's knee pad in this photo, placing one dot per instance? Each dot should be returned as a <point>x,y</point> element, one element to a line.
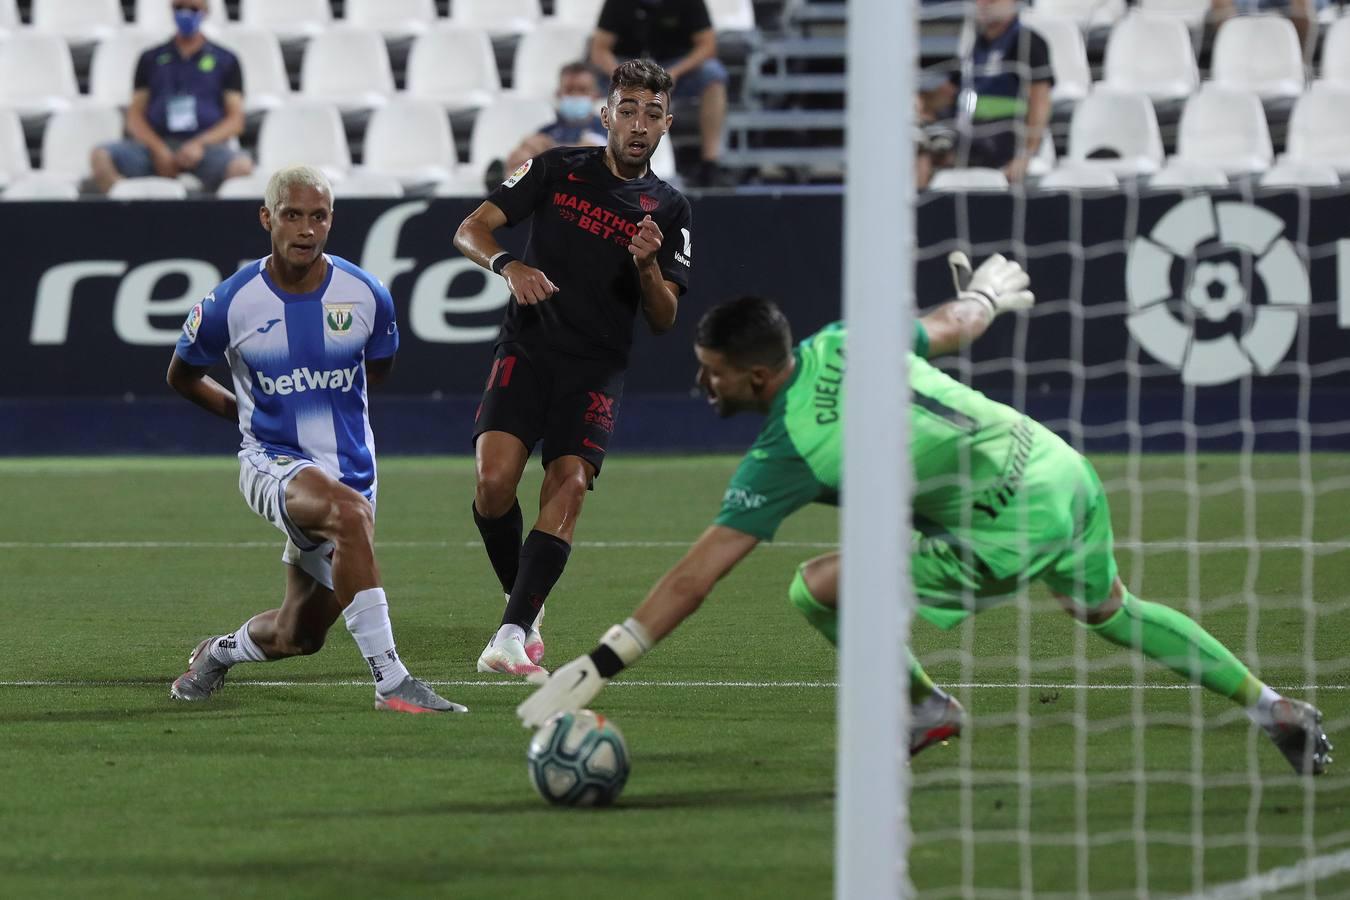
<point>822,618</point>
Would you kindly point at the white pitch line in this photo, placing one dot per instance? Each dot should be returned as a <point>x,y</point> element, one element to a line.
<point>975,685</point>
<point>1302,872</point>
<point>1321,546</point>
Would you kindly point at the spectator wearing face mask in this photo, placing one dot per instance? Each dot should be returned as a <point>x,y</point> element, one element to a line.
<point>578,123</point>
<point>186,110</point>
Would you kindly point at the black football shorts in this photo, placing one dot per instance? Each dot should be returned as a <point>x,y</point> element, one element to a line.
<point>568,402</point>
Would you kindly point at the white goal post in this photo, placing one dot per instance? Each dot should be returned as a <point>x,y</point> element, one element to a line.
<point>871,823</point>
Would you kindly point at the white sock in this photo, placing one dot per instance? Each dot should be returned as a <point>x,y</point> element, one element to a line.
<point>1259,712</point>
<point>236,648</point>
<point>509,632</point>
<point>368,621</point>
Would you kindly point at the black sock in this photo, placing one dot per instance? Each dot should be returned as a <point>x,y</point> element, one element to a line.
<point>501,538</point>
<point>541,563</point>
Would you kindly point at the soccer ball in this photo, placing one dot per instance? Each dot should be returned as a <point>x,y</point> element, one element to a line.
<point>578,759</point>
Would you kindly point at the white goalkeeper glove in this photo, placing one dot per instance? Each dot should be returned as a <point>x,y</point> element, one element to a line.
<point>576,684</point>
<point>999,283</point>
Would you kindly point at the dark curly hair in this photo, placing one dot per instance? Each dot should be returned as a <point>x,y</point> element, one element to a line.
<point>641,73</point>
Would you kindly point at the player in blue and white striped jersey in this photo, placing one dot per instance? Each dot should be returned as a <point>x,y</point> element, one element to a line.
<point>302,332</point>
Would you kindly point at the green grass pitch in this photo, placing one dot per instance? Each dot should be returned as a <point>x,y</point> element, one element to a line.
<point>113,569</point>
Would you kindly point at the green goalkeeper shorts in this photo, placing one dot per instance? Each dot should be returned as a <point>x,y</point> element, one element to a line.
<point>1057,531</point>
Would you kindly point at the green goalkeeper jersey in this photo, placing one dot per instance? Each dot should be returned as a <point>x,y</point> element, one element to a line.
<point>969,452</point>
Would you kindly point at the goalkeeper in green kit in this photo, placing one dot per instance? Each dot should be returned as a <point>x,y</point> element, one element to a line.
<point>999,501</point>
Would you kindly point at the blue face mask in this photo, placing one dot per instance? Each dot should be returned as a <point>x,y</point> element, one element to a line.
<point>188,21</point>
<point>576,107</point>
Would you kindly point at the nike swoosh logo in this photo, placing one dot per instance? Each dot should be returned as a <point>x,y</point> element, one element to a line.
<point>271,323</point>
<point>572,176</point>
<point>591,445</point>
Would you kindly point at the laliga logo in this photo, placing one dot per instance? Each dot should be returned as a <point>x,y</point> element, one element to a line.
<point>1221,336</point>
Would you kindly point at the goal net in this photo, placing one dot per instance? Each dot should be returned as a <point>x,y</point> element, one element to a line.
<point>1192,345</point>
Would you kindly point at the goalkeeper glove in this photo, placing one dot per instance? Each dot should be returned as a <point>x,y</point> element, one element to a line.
<point>999,283</point>
<point>576,684</point>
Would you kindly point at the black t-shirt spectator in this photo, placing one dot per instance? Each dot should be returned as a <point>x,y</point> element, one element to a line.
<point>583,217</point>
<point>660,29</point>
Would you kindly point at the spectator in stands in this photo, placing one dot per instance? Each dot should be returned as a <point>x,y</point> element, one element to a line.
<point>578,123</point>
<point>187,108</point>
<point>679,35</point>
<point>993,108</point>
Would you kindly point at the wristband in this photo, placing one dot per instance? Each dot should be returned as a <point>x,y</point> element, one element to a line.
<point>621,646</point>
<point>983,297</point>
<point>500,261</point>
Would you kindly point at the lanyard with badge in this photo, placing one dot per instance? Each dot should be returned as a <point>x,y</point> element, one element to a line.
<point>180,113</point>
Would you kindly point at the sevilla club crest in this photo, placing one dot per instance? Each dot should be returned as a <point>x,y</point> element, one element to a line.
<point>648,204</point>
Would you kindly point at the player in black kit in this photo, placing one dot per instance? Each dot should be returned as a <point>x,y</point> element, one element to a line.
<point>608,238</point>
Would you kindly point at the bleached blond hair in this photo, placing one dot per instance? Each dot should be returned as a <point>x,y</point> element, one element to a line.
<point>281,182</point>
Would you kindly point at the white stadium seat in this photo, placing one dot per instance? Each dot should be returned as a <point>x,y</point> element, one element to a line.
<point>289,20</point>
<point>577,12</point>
<point>367,184</point>
<point>541,53</point>
<point>113,67</point>
<point>1087,13</point>
<point>14,162</point>
<point>41,187</point>
<point>497,17</point>
<point>1180,173</point>
<point>973,179</point>
<point>1290,173</point>
<point>1191,13</point>
<point>9,18</point>
<point>349,67</point>
<point>1319,128</point>
<point>150,187</point>
<point>1122,123</point>
<point>731,15</point>
<point>1225,128</point>
<point>244,187</point>
<point>78,21</point>
<point>496,132</point>
<point>304,132</point>
<point>1068,55</point>
<point>411,140</point>
<point>37,75</point>
<point>1336,53</point>
<point>70,136</point>
<point>500,127</point>
<point>1259,54</point>
<point>1152,55</point>
<point>266,84</point>
<point>663,160</point>
<point>455,67</point>
<point>1073,176</point>
<point>395,19</point>
<point>156,17</point>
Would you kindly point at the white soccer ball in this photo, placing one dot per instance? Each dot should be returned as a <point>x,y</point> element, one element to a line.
<point>578,759</point>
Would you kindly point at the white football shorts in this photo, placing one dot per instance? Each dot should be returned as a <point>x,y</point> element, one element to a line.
<point>262,481</point>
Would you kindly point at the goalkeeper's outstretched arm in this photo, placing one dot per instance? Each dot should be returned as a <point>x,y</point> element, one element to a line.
<point>676,597</point>
<point>997,286</point>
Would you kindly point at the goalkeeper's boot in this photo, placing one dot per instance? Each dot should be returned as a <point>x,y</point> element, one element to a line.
<point>203,677</point>
<point>507,656</point>
<point>413,695</point>
<point>1296,729</point>
<point>534,641</point>
<point>935,721</point>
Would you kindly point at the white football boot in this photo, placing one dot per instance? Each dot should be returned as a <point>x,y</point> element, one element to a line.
<point>507,656</point>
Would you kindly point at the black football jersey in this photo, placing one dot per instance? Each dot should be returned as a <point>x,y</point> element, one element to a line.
<point>584,218</point>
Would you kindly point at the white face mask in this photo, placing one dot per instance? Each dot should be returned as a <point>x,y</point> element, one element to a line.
<point>576,107</point>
